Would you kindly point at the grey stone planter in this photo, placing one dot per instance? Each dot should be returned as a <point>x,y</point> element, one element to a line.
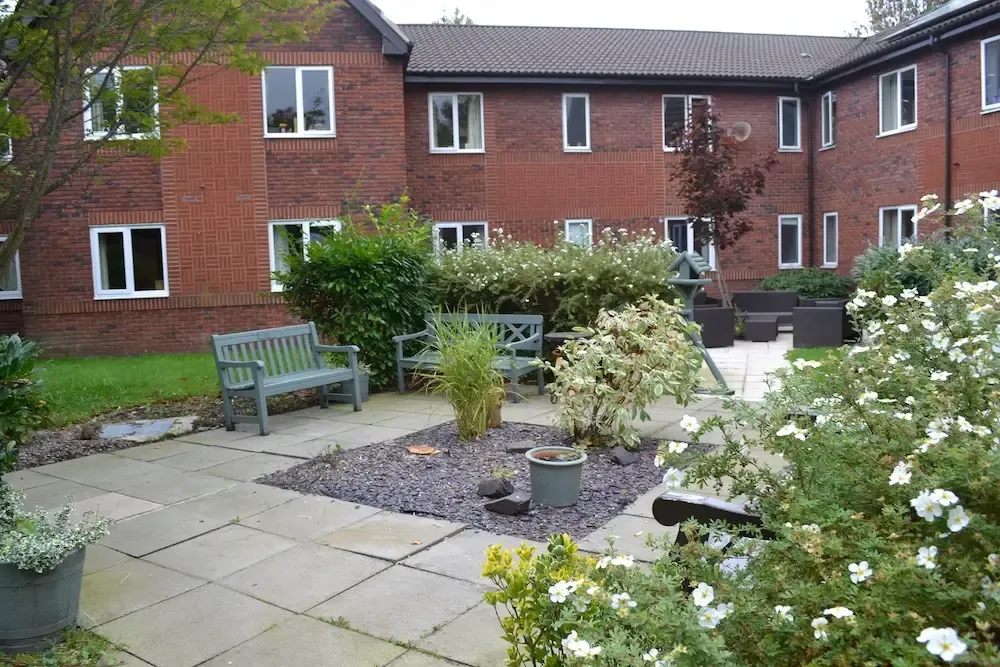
<point>35,609</point>
<point>348,389</point>
<point>555,483</point>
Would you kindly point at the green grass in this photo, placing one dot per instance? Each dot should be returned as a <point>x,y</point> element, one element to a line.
<point>80,649</point>
<point>812,353</point>
<point>78,389</point>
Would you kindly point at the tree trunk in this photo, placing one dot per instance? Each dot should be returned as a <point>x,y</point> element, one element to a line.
<point>724,294</point>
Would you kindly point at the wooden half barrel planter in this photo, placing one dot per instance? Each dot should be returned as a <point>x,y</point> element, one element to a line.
<point>556,473</point>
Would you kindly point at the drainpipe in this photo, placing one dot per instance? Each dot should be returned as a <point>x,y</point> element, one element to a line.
<point>947,141</point>
<point>810,185</point>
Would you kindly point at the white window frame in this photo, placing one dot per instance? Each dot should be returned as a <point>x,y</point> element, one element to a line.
<point>828,119</point>
<point>17,293</point>
<point>458,226</point>
<point>829,263</point>
<point>88,120</point>
<point>566,147</point>
<point>454,123</point>
<point>690,236</point>
<point>688,100</point>
<point>590,230</point>
<point>306,226</point>
<point>987,108</point>
<point>798,222</point>
<point>797,148</point>
<point>300,109</point>
<point>899,227</point>
<point>898,73</point>
<point>129,291</point>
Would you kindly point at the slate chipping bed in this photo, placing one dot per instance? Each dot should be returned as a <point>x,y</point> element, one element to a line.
<point>385,475</point>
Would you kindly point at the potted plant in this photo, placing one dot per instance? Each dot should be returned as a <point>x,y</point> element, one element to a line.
<point>556,473</point>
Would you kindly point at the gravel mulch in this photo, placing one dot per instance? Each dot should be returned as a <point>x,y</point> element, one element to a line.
<point>386,475</point>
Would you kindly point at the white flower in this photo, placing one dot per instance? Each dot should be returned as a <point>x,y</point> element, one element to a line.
<point>942,642</point>
<point>943,497</point>
<point>925,506</point>
<point>990,589</point>
<point>889,300</point>
<point>940,376</point>
<point>802,364</point>
<point>957,519</point>
<point>659,460</point>
<point>784,612</point>
<point>676,447</point>
<point>908,293</point>
<point>623,602</point>
<point>819,627</point>
<point>793,430</point>
<point>926,556</point>
<point>867,397</point>
<point>673,478</point>
<point>690,424</point>
<point>900,474</point>
<point>624,560</point>
<point>603,562</point>
<point>559,591</point>
<point>930,325</point>
<point>651,655</point>
<point>838,612</point>
<point>709,617</point>
<point>903,416</point>
<point>593,590</point>
<point>810,528</point>
<point>963,206</point>
<point>859,571</point>
<point>703,594</point>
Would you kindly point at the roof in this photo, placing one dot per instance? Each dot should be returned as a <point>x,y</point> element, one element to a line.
<point>394,42</point>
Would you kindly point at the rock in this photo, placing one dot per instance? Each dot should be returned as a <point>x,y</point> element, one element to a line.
<point>90,431</point>
<point>518,502</point>
<point>623,457</point>
<point>520,447</point>
<point>495,488</point>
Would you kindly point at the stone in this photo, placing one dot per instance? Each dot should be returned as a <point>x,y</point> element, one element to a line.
<point>390,535</point>
<point>239,502</point>
<point>309,517</point>
<point>518,502</point>
<point>495,488</point>
<point>520,447</point>
<point>127,587</point>
<point>251,467</point>
<point>461,556</point>
<point>90,431</point>
<point>623,457</point>
<point>221,552</point>
<point>152,531</point>
<point>143,430</point>
<point>475,638</point>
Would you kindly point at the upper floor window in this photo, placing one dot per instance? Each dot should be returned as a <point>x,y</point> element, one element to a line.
<point>683,236</point>
<point>789,124</point>
<point>460,235</point>
<point>580,232</point>
<point>830,240</point>
<point>129,262</point>
<point>6,145</point>
<point>576,122</point>
<point>897,100</point>
<point>293,237</point>
<point>828,118</point>
<point>677,117</point>
<point>456,122</point>
<point>298,102</point>
<point>10,280</point>
<point>896,226</point>
<point>991,73</point>
<point>790,242</point>
<point>120,102</point>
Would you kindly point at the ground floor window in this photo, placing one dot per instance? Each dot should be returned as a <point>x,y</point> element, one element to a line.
<point>10,280</point>
<point>896,226</point>
<point>292,237</point>
<point>460,235</point>
<point>681,232</point>
<point>129,262</point>
<point>830,239</point>
<point>790,242</point>
<point>580,232</point>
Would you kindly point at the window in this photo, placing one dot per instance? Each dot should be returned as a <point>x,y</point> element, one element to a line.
<point>129,262</point>
<point>456,122</point>
<point>681,232</point>
<point>6,145</point>
<point>789,126</point>
<point>290,236</point>
<point>677,117</point>
<point>576,122</point>
<point>828,120</point>
<point>790,242</point>
<point>10,280</point>
<point>897,100</point>
<point>121,102</point>
<point>896,226</point>
<point>298,102</point>
<point>991,73</point>
<point>460,235</point>
<point>580,232</point>
<point>830,240</point>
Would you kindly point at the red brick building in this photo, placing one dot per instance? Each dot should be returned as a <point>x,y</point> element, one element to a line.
<point>533,130</point>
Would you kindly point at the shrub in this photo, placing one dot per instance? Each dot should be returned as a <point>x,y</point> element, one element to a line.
<point>634,357</point>
<point>364,286</point>
<point>809,283</point>
<point>568,284</point>
<point>21,408</point>
<point>466,374</point>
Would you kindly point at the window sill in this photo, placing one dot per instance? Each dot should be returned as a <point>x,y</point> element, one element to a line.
<point>994,108</point>
<point>670,149</point>
<point>908,128</point>
<point>568,149</point>
<point>123,137</point>
<point>827,148</point>
<point>789,150</point>
<point>314,135</point>
<point>450,151</point>
<point>828,266</point>
<point>132,295</point>
<point>784,267</point>
<point>10,296</point>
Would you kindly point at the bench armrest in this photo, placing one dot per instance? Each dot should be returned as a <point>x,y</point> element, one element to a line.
<point>528,343</point>
<point>412,336</point>
<point>253,364</point>
<point>339,348</point>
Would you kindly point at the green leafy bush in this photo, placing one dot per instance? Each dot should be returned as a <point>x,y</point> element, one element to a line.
<point>634,357</point>
<point>811,283</point>
<point>568,284</point>
<point>363,286</point>
<point>21,408</point>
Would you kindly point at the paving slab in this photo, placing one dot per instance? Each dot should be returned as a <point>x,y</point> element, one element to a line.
<point>218,436</point>
<point>142,430</point>
<point>415,420</point>
<point>643,505</point>
<point>462,555</point>
<point>238,502</point>
<point>122,659</point>
<point>307,642</point>
<point>221,552</point>
<point>127,587</point>
<point>184,486</point>
<point>366,435</point>
<point>155,451</point>
<point>317,428</point>
<point>309,517</point>
<point>402,604</point>
<point>22,480</point>
<point>390,535</point>
<point>205,456</point>
<point>308,449</point>
<point>251,467</point>
<point>368,416</point>
<point>304,576</point>
<point>273,440</point>
<point>418,659</point>
<point>157,530</point>
<point>193,627</point>
<point>114,506</point>
<point>60,492</point>
<point>475,638</point>
<point>106,471</point>
<point>100,557</point>
<point>631,533</point>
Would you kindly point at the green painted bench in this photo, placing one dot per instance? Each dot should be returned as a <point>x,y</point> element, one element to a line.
<point>268,362</point>
<point>521,344</point>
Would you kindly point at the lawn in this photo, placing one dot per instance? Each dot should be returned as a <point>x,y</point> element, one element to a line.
<point>77,389</point>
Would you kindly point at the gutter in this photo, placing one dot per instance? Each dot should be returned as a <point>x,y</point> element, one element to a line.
<point>658,82</point>
<point>947,141</point>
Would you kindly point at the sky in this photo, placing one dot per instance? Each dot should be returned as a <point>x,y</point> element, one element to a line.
<point>803,17</point>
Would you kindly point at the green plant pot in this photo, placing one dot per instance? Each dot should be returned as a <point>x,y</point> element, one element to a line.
<point>553,482</point>
<point>36,609</point>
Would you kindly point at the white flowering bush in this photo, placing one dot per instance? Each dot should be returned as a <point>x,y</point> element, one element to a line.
<point>568,284</point>
<point>634,356</point>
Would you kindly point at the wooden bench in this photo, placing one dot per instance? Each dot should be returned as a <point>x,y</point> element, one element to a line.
<point>521,344</point>
<point>268,362</point>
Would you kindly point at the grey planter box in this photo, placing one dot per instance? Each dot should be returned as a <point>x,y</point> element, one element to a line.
<point>36,609</point>
<point>555,483</point>
<point>348,389</point>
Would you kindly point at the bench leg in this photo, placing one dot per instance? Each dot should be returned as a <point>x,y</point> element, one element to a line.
<point>541,381</point>
<point>357,395</point>
<point>227,411</point>
<point>401,378</point>
<point>324,397</point>
<point>262,412</point>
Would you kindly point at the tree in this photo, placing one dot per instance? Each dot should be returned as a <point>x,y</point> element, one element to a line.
<point>885,14</point>
<point>458,18</point>
<point>75,100</point>
<point>716,185</point>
